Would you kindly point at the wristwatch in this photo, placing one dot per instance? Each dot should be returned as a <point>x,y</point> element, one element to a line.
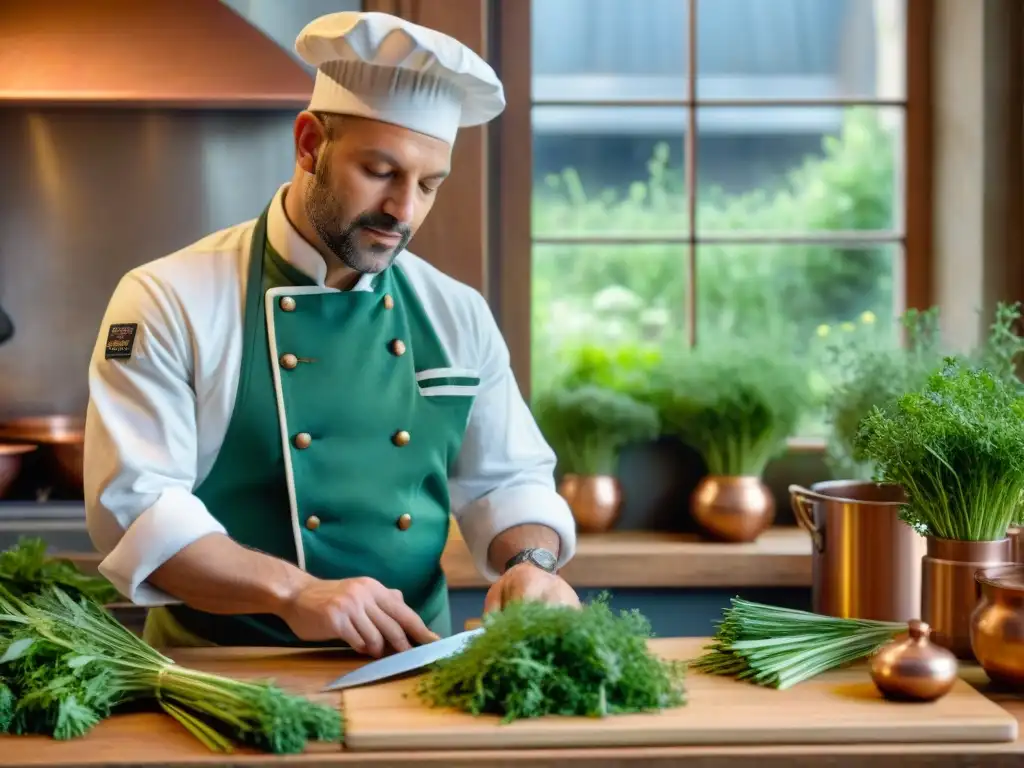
<point>541,558</point>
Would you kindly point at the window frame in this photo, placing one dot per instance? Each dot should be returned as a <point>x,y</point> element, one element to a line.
<point>511,176</point>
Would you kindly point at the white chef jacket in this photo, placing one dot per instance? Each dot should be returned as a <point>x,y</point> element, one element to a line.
<point>154,427</point>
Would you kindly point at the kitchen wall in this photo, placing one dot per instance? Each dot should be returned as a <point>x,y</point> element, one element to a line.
<point>90,193</point>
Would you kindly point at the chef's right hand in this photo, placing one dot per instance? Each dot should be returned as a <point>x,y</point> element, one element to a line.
<point>362,612</point>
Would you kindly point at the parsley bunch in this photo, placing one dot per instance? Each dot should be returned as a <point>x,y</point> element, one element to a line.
<point>535,659</point>
<point>780,647</point>
<point>956,446</point>
<point>66,664</point>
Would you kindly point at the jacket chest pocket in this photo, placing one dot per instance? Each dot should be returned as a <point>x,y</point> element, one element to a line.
<point>447,397</point>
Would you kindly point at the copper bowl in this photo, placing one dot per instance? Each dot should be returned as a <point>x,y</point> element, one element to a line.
<point>60,436</point>
<point>11,458</point>
<point>997,625</point>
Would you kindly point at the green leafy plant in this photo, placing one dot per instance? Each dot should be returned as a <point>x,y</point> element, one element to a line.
<point>735,404</point>
<point>26,568</point>
<point>868,373</point>
<point>588,426</point>
<point>956,446</point>
<point>66,664</point>
<point>780,647</point>
<point>534,659</point>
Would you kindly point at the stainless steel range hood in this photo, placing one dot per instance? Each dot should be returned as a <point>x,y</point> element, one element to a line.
<point>133,53</point>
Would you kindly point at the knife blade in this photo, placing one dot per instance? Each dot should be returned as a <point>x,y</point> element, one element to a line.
<point>406,661</point>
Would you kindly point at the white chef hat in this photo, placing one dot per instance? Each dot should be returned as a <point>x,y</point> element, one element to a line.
<point>382,67</point>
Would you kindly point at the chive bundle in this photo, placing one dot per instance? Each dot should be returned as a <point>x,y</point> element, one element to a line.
<point>779,647</point>
<point>66,664</point>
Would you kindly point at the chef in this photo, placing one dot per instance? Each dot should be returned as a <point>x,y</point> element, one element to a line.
<point>284,414</point>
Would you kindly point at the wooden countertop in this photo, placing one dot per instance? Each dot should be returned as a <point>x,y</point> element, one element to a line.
<point>156,740</point>
<point>781,557</point>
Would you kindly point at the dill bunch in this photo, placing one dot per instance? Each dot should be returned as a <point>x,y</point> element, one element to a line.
<point>25,568</point>
<point>535,659</point>
<point>956,446</point>
<point>66,664</point>
<point>779,647</point>
<point>587,426</point>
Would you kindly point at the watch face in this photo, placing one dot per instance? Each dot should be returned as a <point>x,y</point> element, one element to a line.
<point>544,559</point>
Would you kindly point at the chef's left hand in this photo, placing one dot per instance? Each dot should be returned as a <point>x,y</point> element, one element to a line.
<point>528,582</point>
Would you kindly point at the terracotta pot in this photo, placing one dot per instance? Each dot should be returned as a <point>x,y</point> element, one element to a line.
<point>866,562</point>
<point>997,625</point>
<point>949,591</point>
<point>11,458</point>
<point>736,509</point>
<point>595,500</point>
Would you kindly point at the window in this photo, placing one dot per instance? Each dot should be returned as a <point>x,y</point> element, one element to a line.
<point>710,169</point>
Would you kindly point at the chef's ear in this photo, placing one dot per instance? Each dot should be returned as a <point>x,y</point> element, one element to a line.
<point>310,136</point>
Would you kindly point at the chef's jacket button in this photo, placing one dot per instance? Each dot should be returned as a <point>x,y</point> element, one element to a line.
<point>404,522</point>
<point>397,347</point>
<point>389,303</point>
<point>289,361</point>
<point>312,522</point>
<point>287,303</point>
<point>401,438</point>
<point>303,440</point>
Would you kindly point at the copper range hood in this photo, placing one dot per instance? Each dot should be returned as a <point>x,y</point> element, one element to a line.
<point>132,53</point>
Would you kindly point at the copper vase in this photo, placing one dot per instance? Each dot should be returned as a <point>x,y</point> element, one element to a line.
<point>997,625</point>
<point>595,501</point>
<point>735,509</point>
<point>949,591</point>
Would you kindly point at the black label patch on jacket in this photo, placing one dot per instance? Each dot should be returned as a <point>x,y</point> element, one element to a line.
<point>120,339</point>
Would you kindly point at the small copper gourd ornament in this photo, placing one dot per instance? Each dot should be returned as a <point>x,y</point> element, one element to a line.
<point>912,668</point>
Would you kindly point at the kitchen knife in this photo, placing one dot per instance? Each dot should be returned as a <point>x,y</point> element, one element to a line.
<point>406,661</point>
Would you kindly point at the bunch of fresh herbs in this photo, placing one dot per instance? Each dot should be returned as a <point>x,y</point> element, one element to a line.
<point>26,568</point>
<point>779,647</point>
<point>66,664</point>
<point>734,404</point>
<point>589,425</point>
<point>956,446</point>
<point>535,659</point>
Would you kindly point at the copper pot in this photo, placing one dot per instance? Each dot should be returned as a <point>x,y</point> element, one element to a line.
<point>997,625</point>
<point>736,509</point>
<point>11,459</point>
<point>595,500</point>
<point>949,591</point>
<point>865,561</point>
<point>912,668</point>
<point>61,439</point>
<point>1016,544</point>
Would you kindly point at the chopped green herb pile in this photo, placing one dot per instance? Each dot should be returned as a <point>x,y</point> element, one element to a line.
<point>535,659</point>
<point>956,446</point>
<point>780,647</point>
<point>26,568</point>
<point>66,664</point>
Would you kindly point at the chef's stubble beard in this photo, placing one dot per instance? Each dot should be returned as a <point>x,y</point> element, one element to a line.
<point>323,210</point>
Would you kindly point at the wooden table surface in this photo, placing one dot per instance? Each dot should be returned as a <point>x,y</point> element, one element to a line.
<point>781,557</point>
<point>156,740</point>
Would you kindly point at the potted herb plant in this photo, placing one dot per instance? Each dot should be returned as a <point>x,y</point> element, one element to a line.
<point>736,407</point>
<point>587,427</point>
<point>956,446</point>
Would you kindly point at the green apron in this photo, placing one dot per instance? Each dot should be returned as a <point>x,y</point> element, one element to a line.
<point>341,381</point>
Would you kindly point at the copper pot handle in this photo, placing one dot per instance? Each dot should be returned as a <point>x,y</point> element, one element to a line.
<point>800,502</point>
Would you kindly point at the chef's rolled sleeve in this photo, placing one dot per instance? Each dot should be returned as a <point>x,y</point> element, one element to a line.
<point>141,443</point>
<point>504,476</point>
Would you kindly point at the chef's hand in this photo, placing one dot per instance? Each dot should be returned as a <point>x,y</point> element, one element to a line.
<point>528,582</point>
<point>362,612</point>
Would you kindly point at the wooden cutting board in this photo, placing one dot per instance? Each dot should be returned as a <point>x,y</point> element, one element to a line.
<point>837,707</point>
